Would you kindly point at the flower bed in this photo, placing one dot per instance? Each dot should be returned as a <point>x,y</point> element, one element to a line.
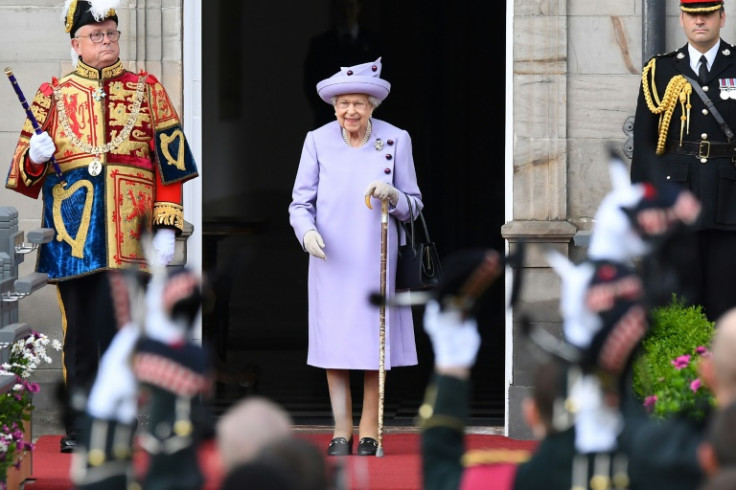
<point>666,375</point>
<point>16,405</point>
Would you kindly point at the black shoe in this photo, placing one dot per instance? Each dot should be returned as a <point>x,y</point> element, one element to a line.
<point>68,443</point>
<point>339,446</point>
<point>367,446</point>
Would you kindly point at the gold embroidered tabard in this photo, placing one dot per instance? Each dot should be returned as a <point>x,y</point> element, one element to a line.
<point>111,128</point>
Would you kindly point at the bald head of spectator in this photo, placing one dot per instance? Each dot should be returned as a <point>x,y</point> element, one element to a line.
<point>249,426</point>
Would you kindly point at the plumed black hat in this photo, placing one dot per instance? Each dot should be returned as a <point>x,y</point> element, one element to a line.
<point>78,13</point>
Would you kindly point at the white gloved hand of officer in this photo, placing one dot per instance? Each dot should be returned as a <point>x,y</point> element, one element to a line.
<point>383,190</point>
<point>455,340</point>
<point>314,244</point>
<point>159,325</point>
<point>42,148</point>
<point>114,394</point>
<point>163,245</point>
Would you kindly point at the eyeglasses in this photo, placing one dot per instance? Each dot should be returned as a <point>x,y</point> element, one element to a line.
<point>358,104</point>
<point>97,37</point>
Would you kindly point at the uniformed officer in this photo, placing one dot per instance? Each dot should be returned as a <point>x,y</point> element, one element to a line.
<point>683,134</point>
<point>449,320</point>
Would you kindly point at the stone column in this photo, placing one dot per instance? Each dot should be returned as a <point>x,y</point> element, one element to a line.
<point>539,180</point>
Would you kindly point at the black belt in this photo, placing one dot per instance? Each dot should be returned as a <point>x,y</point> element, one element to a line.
<point>702,149</point>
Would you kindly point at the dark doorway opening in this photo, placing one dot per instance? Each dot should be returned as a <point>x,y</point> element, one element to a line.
<point>445,61</point>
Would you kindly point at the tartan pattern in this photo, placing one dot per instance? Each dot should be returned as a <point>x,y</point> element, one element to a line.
<point>160,371</point>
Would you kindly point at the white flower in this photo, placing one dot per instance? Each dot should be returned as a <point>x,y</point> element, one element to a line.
<point>56,344</point>
<point>18,387</point>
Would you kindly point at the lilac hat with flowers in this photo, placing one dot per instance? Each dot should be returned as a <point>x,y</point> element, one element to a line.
<point>359,79</point>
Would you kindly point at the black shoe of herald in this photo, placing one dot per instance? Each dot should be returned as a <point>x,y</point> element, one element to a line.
<point>339,446</point>
<point>367,446</point>
<point>68,443</point>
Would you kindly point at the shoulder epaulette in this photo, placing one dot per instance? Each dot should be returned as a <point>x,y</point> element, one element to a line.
<point>478,457</point>
<point>668,54</point>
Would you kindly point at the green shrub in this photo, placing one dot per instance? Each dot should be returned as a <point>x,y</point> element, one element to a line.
<point>666,367</point>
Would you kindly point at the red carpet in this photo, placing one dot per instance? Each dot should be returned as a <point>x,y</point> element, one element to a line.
<point>398,469</point>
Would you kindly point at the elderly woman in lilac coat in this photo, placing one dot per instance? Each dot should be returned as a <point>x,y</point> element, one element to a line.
<point>343,163</point>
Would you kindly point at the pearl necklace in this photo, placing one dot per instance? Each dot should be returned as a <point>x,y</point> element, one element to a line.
<point>346,138</point>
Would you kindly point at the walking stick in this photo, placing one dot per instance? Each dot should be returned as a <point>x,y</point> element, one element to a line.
<point>382,326</point>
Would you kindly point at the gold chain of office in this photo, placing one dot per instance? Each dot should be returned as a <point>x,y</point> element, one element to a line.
<point>117,140</point>
<point>678,90</point>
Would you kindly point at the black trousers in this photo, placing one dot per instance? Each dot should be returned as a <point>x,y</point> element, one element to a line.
<point>89,323</point>
<point>708,276</point>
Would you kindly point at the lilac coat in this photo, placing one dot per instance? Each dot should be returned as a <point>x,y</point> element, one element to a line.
<point>328,196</point>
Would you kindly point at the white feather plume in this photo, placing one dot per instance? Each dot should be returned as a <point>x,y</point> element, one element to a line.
<point>65,9</point>
<point>99,8</point>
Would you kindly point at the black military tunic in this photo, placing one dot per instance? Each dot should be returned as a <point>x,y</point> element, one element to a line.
<point>445,464</point>
<point>683,144</point>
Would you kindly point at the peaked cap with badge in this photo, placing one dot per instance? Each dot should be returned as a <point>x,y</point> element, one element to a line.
<point>122,160</point>
<point>700,6</point>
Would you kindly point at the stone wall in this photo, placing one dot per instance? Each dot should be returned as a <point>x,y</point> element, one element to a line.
<point>576,75</point>
<point>36,47</point>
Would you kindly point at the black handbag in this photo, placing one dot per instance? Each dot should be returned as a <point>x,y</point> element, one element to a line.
<point>418,266</point>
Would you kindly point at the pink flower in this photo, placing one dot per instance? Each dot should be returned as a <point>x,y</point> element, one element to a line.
<point>681,362</point>
<point>33,387</point>
<point>701,350</point>
<point>649,402</point>
<point>695,385</point>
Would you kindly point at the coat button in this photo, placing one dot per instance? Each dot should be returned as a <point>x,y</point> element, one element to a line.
<point>390,142</point>
<point>705,88</point>
<point>705,112</point>
<point>704,136</point>
<point>350,72</point>
<point>386,170</point>
<point>388,156</point>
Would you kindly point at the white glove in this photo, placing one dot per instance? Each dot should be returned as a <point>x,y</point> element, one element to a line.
<point>163,245</point>
<point>114,394</point>
<point>314,244</point>
<point>42,148</point>
<point>382,190</point>
<point>159,325</point>
<point>455,340</point>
